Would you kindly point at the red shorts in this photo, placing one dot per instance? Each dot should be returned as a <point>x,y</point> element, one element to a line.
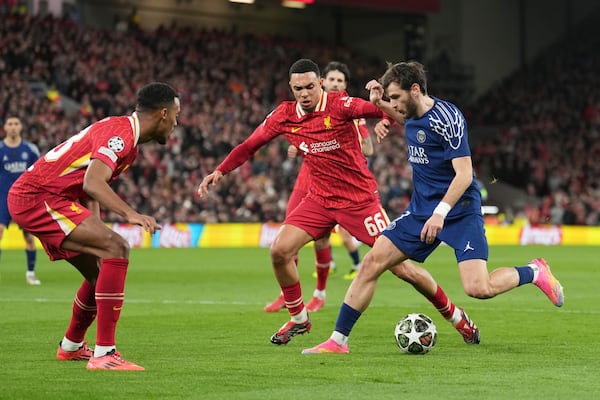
<point>295,199</point>
<point>50,218</point>
<point>365,223</point>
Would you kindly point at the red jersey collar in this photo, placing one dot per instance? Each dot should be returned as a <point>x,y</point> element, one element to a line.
<point>320,105</point>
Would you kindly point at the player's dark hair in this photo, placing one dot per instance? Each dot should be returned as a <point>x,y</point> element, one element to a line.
<point>404,74</point>
<point>8,116</point>
<point>155,95</point>
<point>304,65</point>
<point>337,66</point>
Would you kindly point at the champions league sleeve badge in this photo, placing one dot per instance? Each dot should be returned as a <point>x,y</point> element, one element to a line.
<point>116,144</point>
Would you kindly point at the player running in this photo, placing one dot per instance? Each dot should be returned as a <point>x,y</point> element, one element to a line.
<point>343,190</point>
<point>445,206</point>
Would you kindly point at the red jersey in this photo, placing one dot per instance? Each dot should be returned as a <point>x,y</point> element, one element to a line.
<point>113,140</point>
<point>339,176</point>
<point>303,179</point>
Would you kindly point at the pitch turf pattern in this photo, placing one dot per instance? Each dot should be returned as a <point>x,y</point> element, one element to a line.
<point>193,318</point>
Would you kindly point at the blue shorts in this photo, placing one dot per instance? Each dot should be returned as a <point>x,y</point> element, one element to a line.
<point>4,214</point>
<point>466,235</point>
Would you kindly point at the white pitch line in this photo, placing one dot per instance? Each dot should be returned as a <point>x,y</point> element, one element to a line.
<point>246,303</point>
<point>133,301</point>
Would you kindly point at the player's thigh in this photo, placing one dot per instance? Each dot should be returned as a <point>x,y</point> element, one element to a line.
<point>474,275</point>
<point>289,241</point>
<point>383,256</point>
<point>92,236</point>
<point>312,218</point>
<point>364,223</point>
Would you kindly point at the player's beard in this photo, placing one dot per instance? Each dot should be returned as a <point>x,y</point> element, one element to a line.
<point>411,109</point>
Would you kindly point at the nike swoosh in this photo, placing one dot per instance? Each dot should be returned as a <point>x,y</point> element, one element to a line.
<point>117,308</point>
<point>296,129</point>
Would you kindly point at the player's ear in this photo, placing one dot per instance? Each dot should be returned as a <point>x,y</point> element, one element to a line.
<point>415,88</point>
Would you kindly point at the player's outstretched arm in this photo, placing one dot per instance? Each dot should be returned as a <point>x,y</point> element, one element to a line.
<point>210,179</point>
<point>95,184</point>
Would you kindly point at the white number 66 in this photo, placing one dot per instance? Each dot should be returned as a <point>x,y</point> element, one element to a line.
<point>376,224</point>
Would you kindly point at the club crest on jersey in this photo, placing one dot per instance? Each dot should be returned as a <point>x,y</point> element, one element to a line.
<point>421,136</point>
<point>116,144</point>
<point>327,122</point>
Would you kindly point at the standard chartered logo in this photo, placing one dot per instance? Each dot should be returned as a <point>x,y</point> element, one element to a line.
<point>321,147</point>
<point>303,147</point>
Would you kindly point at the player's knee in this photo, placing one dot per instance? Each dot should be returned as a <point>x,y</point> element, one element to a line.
<point>322,243</point>
<point>370,268</point>
<point>280,255</point>
<point>479,291</point>
<point>118,247</point>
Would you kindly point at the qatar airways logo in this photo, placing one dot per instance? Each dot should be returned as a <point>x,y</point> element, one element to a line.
<point>319,147</point>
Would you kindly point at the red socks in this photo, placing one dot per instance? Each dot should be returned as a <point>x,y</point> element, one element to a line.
<point>84,312</point>
<point>293,298</point>
<point>323,263</point>
<point>442,303</point>
<point>109,298</point>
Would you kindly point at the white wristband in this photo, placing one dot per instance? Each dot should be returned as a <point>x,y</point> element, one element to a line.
<point>442,209</point>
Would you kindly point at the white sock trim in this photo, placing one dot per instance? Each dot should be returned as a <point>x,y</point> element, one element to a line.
<point>101,351</point>
<point>69,345</point>
<point>339,338</point>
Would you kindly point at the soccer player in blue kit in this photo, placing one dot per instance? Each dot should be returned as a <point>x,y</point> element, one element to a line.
<point>445,206</point>
<point>16,155</point>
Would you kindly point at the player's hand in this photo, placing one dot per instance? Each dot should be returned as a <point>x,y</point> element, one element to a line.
<point>147,222</point>
<point>381,129</point>
<point>432,228</point>
<point>375,91</point>
<point>292,151</point>
<point>212,178</point>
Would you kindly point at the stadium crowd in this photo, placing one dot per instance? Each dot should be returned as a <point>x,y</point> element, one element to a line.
<point>546,140</point>
<point>229,81</point>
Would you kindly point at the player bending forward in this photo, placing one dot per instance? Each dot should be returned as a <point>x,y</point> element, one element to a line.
<point>50,199</point>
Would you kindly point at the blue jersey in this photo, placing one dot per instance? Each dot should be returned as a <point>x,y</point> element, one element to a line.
<point>14,161</point>
<point>433,141</point>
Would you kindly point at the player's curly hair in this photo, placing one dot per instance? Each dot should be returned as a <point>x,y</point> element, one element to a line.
<point>405,74</point>
<point>304,65</point>
<point>155,95</point>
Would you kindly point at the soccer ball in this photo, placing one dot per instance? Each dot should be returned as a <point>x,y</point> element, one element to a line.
<point>416,334</point>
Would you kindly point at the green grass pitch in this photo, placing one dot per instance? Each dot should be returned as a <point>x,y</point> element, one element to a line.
<point>193,318</point>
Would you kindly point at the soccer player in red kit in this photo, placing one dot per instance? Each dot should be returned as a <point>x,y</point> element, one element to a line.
<point>336,77</point>
<point>58,200</point>
<point>343,191</point>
